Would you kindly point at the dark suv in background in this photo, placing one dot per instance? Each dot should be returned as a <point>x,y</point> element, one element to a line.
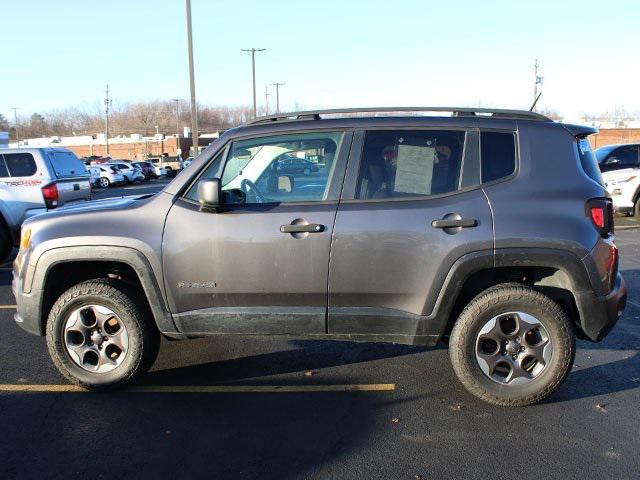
<point>491,228</point>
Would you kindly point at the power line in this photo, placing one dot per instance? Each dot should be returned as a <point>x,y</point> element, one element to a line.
<point>107,105</point>
<point>253,73</point>
<point>266,99</point>
<point>278,85</point>
<point>15,120</point>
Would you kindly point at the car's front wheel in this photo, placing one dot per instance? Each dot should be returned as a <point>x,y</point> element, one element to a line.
<point>98,336</point>
<point>512,346</point>
<point>104,182</point>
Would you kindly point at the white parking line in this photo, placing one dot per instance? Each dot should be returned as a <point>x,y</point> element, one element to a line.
<point>8,307</point>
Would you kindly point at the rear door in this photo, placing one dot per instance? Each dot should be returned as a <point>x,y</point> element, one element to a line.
<point>71,176</point>
<point>411,206</point>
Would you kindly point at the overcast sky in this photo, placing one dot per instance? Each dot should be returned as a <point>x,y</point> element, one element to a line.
<point>329,53</point>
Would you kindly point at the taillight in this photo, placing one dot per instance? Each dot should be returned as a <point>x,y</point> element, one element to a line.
<point>50,194</point>
<point>600,211</point>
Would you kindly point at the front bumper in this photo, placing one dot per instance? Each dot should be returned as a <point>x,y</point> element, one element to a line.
<point>28,307</point>
<point>599,314</point>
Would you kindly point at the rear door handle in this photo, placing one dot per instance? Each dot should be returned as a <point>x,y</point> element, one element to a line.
<point>308,228</point>
<point>455,222</point>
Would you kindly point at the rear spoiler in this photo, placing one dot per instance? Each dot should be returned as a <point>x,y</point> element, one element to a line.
<point>580,130</point>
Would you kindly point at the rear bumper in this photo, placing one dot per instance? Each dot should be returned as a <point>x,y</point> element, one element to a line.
<point>599,314</point>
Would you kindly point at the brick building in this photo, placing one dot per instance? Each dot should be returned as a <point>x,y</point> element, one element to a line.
<point>608,136</point>
<point>134,147</point>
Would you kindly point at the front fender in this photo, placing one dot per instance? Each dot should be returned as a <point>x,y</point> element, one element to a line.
<point>30,299</point>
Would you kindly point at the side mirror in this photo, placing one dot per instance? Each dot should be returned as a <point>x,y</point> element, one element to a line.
<point>209,193</point>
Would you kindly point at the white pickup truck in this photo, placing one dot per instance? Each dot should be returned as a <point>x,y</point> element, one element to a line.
<point>34,180</point>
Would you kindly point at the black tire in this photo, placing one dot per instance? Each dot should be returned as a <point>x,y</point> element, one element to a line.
<point>636,208</point>
<point>511,298</point>
<point>104,182</point>
<point>143,337</point>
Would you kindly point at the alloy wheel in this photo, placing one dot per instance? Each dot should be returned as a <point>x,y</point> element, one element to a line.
<point>95,338</point>
<point>513,348</point>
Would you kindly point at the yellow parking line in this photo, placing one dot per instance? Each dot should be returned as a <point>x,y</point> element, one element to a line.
<point>370,387</point>
<point>8,307</point>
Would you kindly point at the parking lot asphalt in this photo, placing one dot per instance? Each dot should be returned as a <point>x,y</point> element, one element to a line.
<point>427,426</point>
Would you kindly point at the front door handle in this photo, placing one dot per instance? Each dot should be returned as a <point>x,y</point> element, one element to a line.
<point>455,222</point>
<point>302,228</point>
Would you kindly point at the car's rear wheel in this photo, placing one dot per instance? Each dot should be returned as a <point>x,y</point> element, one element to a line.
<point>512,346</point>
<point>104,182</point>
<point>98,336</point>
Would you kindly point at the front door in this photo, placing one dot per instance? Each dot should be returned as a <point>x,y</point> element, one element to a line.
<point>412,205</point>
<point>260,263</point>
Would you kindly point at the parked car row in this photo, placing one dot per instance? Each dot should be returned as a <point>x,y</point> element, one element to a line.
<point>117,172</point>
<point>620,167</point>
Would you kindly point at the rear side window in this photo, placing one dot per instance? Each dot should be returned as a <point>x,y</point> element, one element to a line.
<point>20,164</point>
<point>589,161</point>
<point>497,155</point>
<point>66,164</point>
<point>409,163</point>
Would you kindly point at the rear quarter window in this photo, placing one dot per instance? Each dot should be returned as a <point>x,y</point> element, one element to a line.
<point>589,161</point>
<point>20,164</point>
<point>497,155</point>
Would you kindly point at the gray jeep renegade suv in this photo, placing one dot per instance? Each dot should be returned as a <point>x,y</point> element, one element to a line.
<point>491,228</point>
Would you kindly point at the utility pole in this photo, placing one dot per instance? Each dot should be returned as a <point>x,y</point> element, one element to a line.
<point>266,100</point>
<point>537,82</point>
<point>253,72</point>
<point>107,105</point>
<point>278,85</point>
<point>15,121</point>
<point>192,84</point>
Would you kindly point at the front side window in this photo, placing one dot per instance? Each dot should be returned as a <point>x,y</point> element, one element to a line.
<point>20,164</point>
<point>409,163</point>
<point>286,168</point>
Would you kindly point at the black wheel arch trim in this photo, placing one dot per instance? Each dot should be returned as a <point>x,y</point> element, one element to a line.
<point>127,255</point>
<point>594,324</point>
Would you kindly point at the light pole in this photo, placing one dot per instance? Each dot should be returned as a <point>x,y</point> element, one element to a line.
<point>266,100</point>
<point>278,85</point>
<point>192,84</point>
<point>107,105</point>
<point>253,72</point>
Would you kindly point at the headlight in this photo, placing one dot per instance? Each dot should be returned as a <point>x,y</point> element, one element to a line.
<point>25,238</point>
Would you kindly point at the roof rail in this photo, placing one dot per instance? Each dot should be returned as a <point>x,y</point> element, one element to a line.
<point>455,111</point>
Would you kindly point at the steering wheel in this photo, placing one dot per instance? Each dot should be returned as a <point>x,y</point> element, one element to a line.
<point>253,189</point>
